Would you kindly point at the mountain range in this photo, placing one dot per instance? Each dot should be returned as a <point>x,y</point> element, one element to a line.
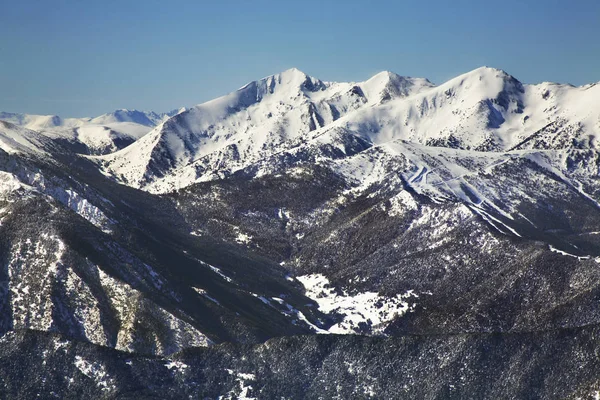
<point>103,134</point>
<point>299,238</point>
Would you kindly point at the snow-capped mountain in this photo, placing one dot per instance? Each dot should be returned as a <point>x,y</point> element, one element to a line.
<point>264,117</point>
<point>485,109</point>
<point>75,262</point>
<point>40,122</point>
<point>150,119</point>
<point>100,135</point>
<point>447,235</point>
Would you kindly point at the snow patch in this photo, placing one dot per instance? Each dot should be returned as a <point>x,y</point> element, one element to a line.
<point>564,253</point>
<point>203,293</point>
<point>97,372</point>
<point>176,366</point>
<point>243,389</point>
<point>369,308</point>
<point>243,238</point>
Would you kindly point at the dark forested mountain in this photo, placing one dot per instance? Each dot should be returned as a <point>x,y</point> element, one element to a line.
<point>300,238</point>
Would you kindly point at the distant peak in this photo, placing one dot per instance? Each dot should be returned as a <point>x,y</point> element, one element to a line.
<point>385,74</point>
<point>7,125</point>
<point>292,75</point>
<point>386,85</point>
<point>394,77</point>
<point>290,79</point>
<point>487,75</point>
<point>487,71</point>
<point>293,70</point>
<point>488,68</point>
<point>127,111</point>
<point>384,77</point>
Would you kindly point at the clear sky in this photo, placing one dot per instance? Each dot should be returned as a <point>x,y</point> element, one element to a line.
<point>84,58</point>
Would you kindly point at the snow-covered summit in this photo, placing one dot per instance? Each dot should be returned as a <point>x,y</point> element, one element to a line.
<point>145,118</point>
<point>485,109</point>
<point>16,139</point>
<point>124,115</point>
<point>387,85</point>
<point>467,112</point>
<point>259,119</point>
<point>41,122</point>
<point>99,135</point>
<point>44,122</point>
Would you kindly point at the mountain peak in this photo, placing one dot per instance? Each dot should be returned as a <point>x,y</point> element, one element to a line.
<point>290,82</point>
<point>488,68</point>
<point>394,77</point>
<point>288,76</point>
<point>487,72</point>
<point>485,82</point>
<point>386,85</point>
<point>293,71</point>
<point>125,115</point>
<point>291,77</point>
<point>385,75</point>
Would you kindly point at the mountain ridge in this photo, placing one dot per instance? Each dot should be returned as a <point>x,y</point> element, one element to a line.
<point>339,232</point>
<point>484,109</point>
<point>99,135</point>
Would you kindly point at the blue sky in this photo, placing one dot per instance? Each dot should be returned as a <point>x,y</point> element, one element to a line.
<point>84,58</point>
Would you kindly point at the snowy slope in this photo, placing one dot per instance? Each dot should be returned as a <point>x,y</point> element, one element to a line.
<point>261,118</point>
<point>67,267</point>
<point>99,139</point>
<point>484,110</point>
<point>100,135</point>
<point>40,122</point>
<point>438,216</point>
<point>16,139</point>
<point>150,119</point>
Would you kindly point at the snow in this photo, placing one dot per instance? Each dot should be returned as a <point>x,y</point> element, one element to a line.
<point>41,122</point>
<point>495,222</point>
<point>217,271</point>
<point>49,122</point>
<point>244,388</point>
<point>243,238</point>
<point>97,372</point>
<point>125,300</point>
<point>132,116</point>
<point>564,253</point>
<point>34,311</point>
<point>99,134</point>
<point>15,139</point>
<point>203,293</point>
<point>290,311</point>
<point>61,192</point>
<point>9,183</point>
<point>400,202</point>
<point>259,119</point>
<point>176,366</point>
<point>368,307</point>
<point>485,109</point>
<point>42,285</point>
<point>83,207</point>
<point>410,124</point>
